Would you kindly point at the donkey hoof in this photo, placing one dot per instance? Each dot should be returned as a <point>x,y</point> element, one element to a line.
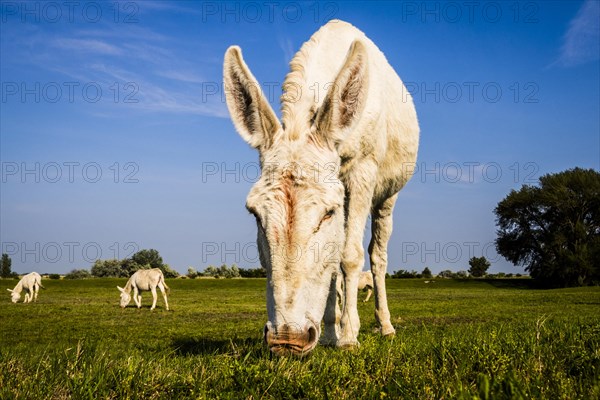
<point>388,331</point>
<point>348,344</point>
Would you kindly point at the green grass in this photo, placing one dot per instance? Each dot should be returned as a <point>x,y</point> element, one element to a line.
<point>455,339</point>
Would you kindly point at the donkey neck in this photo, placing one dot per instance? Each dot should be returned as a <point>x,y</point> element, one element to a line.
<point>128,286</point>
<point>19,287</point>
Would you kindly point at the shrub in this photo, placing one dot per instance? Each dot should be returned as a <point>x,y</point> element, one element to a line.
<point>446,274</point>
<point>78,274</point>
<point>259,272</point>
<point>461,275</point>
<point>107,268</point>
<point>404,274</point>
<point>222,272</point>
<point>168,272</point>
<point>192,273</point>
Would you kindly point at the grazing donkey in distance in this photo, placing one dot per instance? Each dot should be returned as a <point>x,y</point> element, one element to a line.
<point>144,280</point>
<point>346,144</point>
<point>31,284</point>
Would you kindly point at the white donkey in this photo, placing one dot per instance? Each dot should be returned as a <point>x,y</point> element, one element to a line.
<point>144,280</point>
<point>346,145</point>
<point>365,282</point>
<point>31,284</point>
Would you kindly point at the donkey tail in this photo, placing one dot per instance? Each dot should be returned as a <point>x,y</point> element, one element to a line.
<point>167,289</point>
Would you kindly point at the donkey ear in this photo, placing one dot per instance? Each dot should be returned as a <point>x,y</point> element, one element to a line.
<point>10,290</point>
<point>344,103</point>
<point>120,289</point>
<point>250,111</point>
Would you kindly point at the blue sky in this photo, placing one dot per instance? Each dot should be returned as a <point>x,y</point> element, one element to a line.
<point>115,136</point>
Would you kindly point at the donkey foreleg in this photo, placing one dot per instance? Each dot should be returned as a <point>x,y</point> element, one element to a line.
<point>359,205</point>
<point>331,319</point>
<point>137,297</point>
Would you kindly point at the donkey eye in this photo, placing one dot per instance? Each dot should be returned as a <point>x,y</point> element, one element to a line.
<point>250,209</point>
<point>328,215</point>
<point>255,214</point>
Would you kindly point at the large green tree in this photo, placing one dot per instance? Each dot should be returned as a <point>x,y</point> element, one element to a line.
<point>553,229</point>
<point>478,266</point>
<point>143,259</point>
<point>426,273</point>
<point>5,263</point>
<point>148,257</point>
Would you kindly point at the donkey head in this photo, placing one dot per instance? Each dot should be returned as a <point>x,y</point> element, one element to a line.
<point>125,297</point>
<point>298,202</point>
<point>14,296</point>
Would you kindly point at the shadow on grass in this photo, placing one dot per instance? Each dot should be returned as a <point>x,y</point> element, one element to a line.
<point>145,307</point>
<point>187,346</point>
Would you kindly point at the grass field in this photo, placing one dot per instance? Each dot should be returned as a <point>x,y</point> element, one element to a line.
<point>455,339</point>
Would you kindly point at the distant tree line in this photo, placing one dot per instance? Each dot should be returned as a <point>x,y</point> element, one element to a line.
<point>448,274</point>
<point>113,268</point>
<point>426,274</point>
<point>478,269</point>
<point>225,271</point>
<point>405,274</point>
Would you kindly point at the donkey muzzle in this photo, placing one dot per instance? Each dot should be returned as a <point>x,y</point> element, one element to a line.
<point>291,339</point>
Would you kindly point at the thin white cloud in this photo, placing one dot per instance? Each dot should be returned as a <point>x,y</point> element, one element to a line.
<point>581,42</point>
<point>153,97</point>
<point>288,49</point>
<point>88,46</point>
<point>101,57</point>
<point>183,76</point>
<point>144,51</point>
<point>165,6</point>
<point>130,32</point>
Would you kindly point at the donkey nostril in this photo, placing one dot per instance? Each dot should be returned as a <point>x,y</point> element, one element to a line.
<point>312,334</point>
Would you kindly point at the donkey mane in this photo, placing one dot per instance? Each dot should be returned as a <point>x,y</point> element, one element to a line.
<point>128,286</point>
<point>296,79</point>
<point>19,287</point>
<point>301,98</point>
<point>290,201</point>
